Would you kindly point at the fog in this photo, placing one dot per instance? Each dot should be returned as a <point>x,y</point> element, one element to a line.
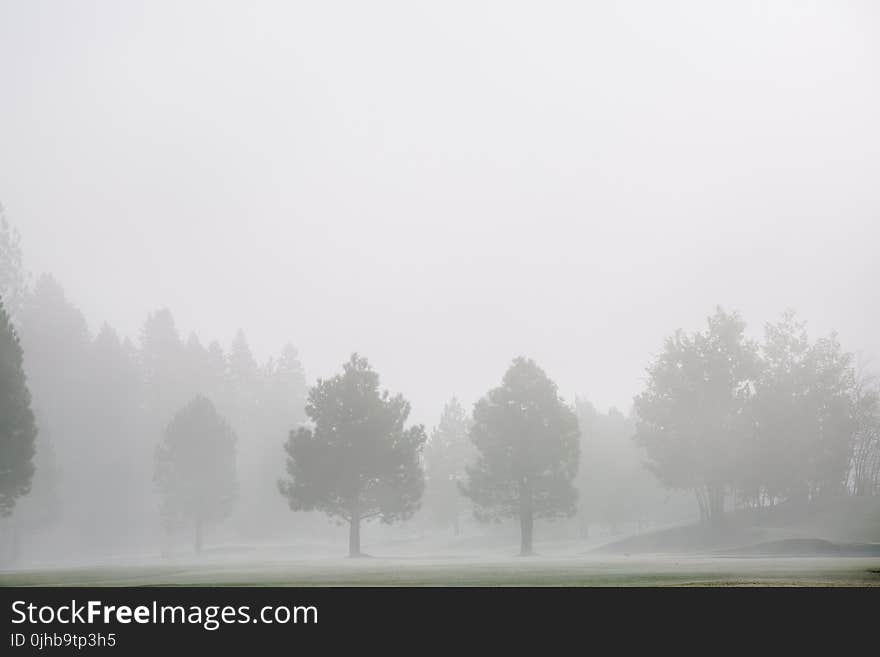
<point>440,188</point>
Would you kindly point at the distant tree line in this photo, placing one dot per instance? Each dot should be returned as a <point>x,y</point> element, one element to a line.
<point>107,432</point>
<point>103,404</point>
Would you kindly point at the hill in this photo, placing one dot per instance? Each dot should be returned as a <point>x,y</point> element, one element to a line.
<point>837,527</point>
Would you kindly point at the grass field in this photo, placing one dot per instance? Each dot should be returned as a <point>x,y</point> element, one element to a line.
<point>511,571</point>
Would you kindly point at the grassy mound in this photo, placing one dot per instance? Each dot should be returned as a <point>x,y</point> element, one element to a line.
<point>836,527</point>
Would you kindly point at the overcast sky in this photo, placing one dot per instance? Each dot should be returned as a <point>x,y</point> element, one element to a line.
<point>444,185</point>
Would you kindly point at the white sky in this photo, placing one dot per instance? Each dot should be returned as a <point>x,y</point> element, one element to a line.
<point>445,185</point>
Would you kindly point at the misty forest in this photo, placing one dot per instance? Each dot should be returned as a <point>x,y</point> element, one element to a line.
<point>162,445</point>
<point>420,293</point>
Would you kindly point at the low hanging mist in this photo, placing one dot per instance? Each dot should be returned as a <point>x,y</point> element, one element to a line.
<point>164,447</point>
<point>440,285</point>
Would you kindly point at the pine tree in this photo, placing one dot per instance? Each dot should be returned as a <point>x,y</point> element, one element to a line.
<point>357,462</point>
<point>446,454</point>
<point>13,279</point>
<point>162,353</point>
<point>18,429</point>
<point>528,445</point>
<point>195,468</point>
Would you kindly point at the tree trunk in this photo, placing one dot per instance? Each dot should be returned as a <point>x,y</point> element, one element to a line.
<point>354,537</point>
<point>526,519</point>
<point>198,535</point>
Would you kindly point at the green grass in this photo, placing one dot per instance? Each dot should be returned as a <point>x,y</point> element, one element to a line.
<point>513,571</point>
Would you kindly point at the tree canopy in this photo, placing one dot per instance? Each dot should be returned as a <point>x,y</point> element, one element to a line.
<point>528,447</point>
<point>806,415</point>
<point>357,461</point>
<point>785,420</point>
<point>692,415</point>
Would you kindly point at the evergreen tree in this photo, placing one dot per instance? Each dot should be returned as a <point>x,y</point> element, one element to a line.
<point>287,390</point>
<point>162,353</point>
<point>281,408</point>
<point>357,462</point>
<point>18,429</point>
<point>40,509</point>
<point>446,455</point>
<point>195,468</point>
<point>528,447</point>
<point>13,280</point>
<point>216,381</point>
<point>58,363</point>
<point>244,374</point>
<point>114,393</point>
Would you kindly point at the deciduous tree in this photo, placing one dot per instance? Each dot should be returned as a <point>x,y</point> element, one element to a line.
<point>692,417</point>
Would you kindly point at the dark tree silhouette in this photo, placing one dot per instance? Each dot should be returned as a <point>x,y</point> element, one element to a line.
<point>195,468</point>
<point>18,429</point>
<point>357,462</point>
<point>528,445</point>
